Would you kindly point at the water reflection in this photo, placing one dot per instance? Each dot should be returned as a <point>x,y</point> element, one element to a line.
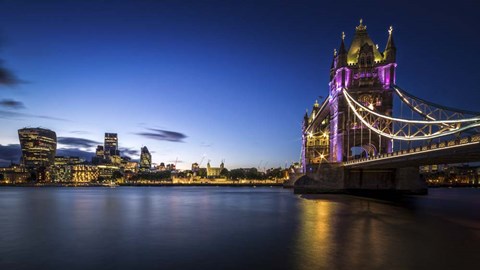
<point>342,232</point>
<point>234,228</point>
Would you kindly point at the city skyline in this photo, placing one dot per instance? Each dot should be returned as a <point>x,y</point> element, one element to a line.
<point>206,80</point>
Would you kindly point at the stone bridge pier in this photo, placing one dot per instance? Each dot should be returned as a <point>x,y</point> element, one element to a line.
<point>335,178</point>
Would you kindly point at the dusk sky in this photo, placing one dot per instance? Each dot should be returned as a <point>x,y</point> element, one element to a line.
<point>216,79</point>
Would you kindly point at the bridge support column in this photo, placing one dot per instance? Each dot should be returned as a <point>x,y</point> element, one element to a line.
<point>409,181</point>
<point>334,178</point>
<point>327,178</point>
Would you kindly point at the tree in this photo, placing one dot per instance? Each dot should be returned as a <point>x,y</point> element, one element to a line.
<point>224,172</point>
<point>237,174</point>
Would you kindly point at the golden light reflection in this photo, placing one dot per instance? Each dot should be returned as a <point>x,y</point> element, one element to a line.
<point>341,233</point>
<point>314,240</point>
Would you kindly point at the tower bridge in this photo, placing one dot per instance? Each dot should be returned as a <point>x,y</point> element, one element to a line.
<point>354,140</point>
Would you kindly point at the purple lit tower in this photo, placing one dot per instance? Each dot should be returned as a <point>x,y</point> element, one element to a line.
<point>367,74</point>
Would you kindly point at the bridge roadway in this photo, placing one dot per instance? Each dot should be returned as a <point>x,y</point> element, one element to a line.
<point>465,149</point>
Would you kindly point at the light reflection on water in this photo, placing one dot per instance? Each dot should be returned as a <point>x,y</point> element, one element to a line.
<point>234,228</point>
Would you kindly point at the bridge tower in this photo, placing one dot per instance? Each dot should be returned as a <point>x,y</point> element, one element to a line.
<point>367,74</point>
<point>331,133</point>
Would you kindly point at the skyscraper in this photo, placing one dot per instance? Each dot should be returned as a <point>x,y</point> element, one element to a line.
<point>38,147</point>
<point>145,159</point>
<point>111,144</point>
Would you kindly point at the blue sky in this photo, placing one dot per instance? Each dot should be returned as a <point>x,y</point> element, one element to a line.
<point>233,77</point>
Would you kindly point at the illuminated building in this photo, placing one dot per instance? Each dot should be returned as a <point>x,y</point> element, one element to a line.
<point>161,167</point>
<point>195,167</point>
<point>111,144</point>
<point>329,133</point>
<point>99,152</point>
<point>38,147</point>
<point>145,159</point>
<point>130,166</point>
<point>214,171</point>
<point>106,171</point>
<point>14,174</point>
<point>61,160</point>
<point>84,173</point>
<point>99,157</point>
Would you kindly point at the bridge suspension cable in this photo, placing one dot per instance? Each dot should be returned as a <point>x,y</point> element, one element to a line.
<point>430,110</point>
<point>440,121</point>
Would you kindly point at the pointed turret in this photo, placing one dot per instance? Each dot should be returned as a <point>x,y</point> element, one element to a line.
<point>390,50</point>
<point>333,60</point>
<point>305,119</point>
<point>342,53</point>
<point>361,39</point>
<point>316,107</point>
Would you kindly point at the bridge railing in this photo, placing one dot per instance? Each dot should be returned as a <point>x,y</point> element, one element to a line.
<point>426,148</point>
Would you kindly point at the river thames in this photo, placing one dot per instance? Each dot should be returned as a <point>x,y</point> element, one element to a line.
<point>235,228</point>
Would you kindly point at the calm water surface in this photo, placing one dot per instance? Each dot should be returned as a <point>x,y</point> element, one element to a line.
<point>235,228</point>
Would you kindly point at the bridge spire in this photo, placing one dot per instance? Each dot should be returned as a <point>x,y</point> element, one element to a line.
<point>342,53</point>
<point>390,49</point>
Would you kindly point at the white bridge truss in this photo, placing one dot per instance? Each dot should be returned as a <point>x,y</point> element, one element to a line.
<point>435,120</point>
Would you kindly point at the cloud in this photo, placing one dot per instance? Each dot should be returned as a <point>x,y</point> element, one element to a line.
<point>128,151</point>
<point>17,115</point>
<point>81,132</point>
<point>75,152</point>
<point>77,142</point>
<point>175,161</point>
<point>10,103</point>
<point>7,77</point>
<point>163,135</point>
<point>204,144</point>
<point>10,153</point>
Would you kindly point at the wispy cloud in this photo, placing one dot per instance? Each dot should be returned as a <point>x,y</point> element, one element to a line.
<point>163,135</point>
<point>204,144</point>
<point>77,142</point>
<point>12,104</point>
<point>7,77</point>
<point>80,132</point>
<point>75,152</point>
<point>128,151</point>
<point>17,115</point>
<point>10,153</point>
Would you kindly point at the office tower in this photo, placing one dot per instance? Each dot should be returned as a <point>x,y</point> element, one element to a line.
<point>145,159</point>
<point>38,147</point>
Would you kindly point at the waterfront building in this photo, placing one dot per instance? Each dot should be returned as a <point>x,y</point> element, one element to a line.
<point>38,147</point>
<point>130,166</point>
<point>106,171</point>
<point>63,160</point>
<point>14,174</point>
<point>214,171</point>
<point>329,134</point>
<point>83,173</point>
<point>145,159</point>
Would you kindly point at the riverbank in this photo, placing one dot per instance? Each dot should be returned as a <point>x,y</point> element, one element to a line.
<point>163,184</point>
